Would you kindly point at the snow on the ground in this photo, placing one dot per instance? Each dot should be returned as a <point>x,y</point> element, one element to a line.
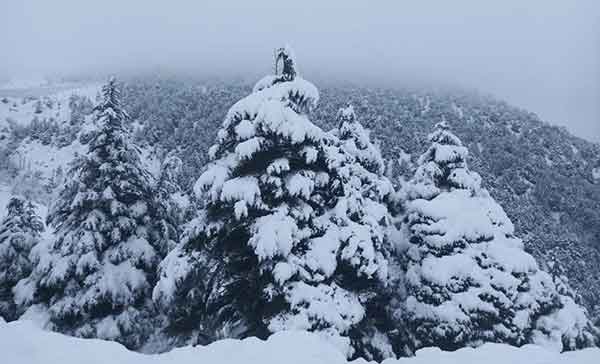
<point>45,158</point>
<point>22,107</point>
<point>27,344</point>
<point>22,110</point>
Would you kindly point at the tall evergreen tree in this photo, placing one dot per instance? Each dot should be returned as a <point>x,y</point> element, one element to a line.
<point>286,240</point>
<point>173,202</point>
<point>357,142</point>
<point>569,327</point>
<point>97,275</point>
<point>19,232</point>
<point>371,190</point>
<point>468,278</point>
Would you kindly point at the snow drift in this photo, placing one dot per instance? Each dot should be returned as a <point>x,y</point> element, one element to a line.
<point>23,343</point>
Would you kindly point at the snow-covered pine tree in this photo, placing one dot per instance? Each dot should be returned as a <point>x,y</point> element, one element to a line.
<point>97,275</point>
<point>569,327</point>
<point>558,274</point>
<point>172,200</point>
<point>357,142</point>
<point>469,279</point>
<point>170,171</point>
<point>371,189</point>
<point>20,231</point>
<point>276,246</point>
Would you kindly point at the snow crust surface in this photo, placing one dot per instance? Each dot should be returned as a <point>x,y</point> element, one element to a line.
<point>31,345</point>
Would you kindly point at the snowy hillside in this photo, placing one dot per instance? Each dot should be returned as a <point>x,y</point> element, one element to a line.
<point>30,345</point>
<point>22,113</point>
<point>53,102</point>
<point>50,124</point>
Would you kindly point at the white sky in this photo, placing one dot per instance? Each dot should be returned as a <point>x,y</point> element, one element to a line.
<point>540,55</point>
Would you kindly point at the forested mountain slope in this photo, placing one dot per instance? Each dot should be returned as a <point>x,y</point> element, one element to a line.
<point>547,180</point>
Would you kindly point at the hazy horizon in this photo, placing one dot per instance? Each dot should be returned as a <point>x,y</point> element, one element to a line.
<point>544,57</point>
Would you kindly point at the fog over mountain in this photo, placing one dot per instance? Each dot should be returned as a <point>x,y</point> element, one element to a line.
<point>539,55</point>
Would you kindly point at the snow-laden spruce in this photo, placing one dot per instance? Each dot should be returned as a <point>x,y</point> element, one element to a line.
<point>172,199</point>
<point>20,231</point>
<point>357,142</point>
<point>293,232</point>
<point>469,279</point>
<point>369,198</point>
<point>97,275</point>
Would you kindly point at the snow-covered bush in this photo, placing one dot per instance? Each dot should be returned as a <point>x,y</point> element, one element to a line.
<point>97,275</point>
<point>293,232</point>
<point>469,279</point>
<point>19,232</point>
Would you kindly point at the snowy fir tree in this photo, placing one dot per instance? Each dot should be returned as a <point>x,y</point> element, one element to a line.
<point>96,277</point>
<point>293,232</point>
<point>19,232</point>
<point>357,142</point>
<point>172,200</point>
<point>372,189</point>
<point>170,171</point>
<point>569,327</point>
<point>468,277</point>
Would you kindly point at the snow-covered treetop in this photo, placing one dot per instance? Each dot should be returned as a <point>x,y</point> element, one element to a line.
<point>109,107</point>
<point>170,170</point>
<point>272,121</point>
<point>18,207</point>
<point>443,166</point>
<point>447,149</point>
<point>286,55</point>
<point>346,115</point>
<point>304,95</point>
<point>277,106</point>
<point>357,142</point>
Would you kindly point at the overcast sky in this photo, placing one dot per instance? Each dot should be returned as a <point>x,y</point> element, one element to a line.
<point>543,55</point>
